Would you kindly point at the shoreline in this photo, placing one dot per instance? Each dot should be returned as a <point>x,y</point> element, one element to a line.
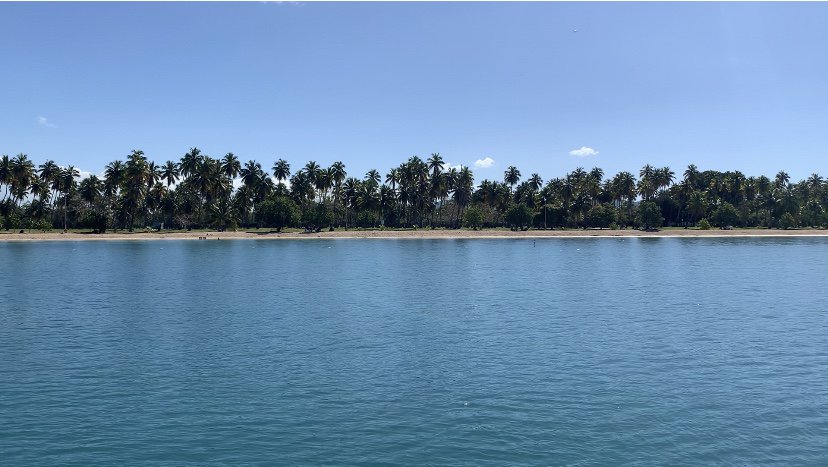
<point>407,234</point>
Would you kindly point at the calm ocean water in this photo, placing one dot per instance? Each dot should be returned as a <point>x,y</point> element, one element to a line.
<point>464,352</point>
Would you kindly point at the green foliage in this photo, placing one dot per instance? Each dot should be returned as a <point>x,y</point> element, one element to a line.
<point>704,225</point>
<point>278,212</point>
<point>12,221</point>
<point>519,216</point>
<point>601,216</point>
<point>42,224</point>
<point>473,217</point>
<point>222,215</point>
<point>201,191</point>
<point>787,221</point>
<point>316,217</point>
<point>813,215</point>
<point>650,215</point>
<point>556,216</point>
<point>725,215</point>
<point>96,220</point>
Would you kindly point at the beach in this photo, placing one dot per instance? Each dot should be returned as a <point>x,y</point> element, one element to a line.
<point>409,234</point>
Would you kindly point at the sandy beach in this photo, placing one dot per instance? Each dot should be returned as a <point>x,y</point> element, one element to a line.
<point>411,234</point>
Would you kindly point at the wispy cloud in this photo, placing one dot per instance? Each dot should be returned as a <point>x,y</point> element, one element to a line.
<point>584,151</point>
<point>43,121</point>
<point>484,163</point>
<point>450,166</point>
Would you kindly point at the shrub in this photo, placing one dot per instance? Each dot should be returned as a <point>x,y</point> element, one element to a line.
<point>787,221</point>
<point>519,215</point>
<point>650,215</point>
<point>725,215</point>
<point>600,216</point>
<point>704,224</point>
<point>473,217</point>
<point>279,212</point>
<point>12,221</point>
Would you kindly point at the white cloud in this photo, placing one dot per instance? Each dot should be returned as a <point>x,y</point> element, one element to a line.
<point>45,122</point>
<point>584,151</point>
<point>450,166</point>
<point>84,174</point>
<point>484,163</point>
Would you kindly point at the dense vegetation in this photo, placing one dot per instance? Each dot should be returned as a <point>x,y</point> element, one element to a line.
<point>198,192</point>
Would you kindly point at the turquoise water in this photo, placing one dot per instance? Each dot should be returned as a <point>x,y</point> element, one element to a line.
<point>465,352</point>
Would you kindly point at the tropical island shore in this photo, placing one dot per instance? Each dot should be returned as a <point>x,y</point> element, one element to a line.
<point>408,233</point>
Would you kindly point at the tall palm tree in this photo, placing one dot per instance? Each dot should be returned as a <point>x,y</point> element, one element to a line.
<point>191,161</point>
<point>463,192</point>
<point>312,170</point>
<point>281,170</point>
<point>393,178</point>
<point>647,183</point>
<point>5,174</point>
<point>67,176</point>
<point>511,176</point>
<point>337,176</point>
<point>373,177</point>
<point>230,165</point>
<point>251,173</point>
<point>169,173</point>
<point>691,175</point>
<point>535,182</point>
<point>48,171</point>
<point>90,190</point>
<point>782,179</point>
<point>436,164</point>
<point>593,185</point>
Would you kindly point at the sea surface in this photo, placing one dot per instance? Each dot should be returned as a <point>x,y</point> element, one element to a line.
<point>557,351</point>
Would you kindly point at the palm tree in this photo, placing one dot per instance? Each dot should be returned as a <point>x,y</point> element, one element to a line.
<point>250,173</point>
<point>815,183</point>
<point>511,176</point>
<point>782,179</point>
<point>153,174</point>
<point>5,174</point>
<point>337,176</point>
<point>436,164</point>
<point>647,184</point>
<point>21,175</point>
<point>349,190</point>
<point>535,182</point>
<point>49,171</point>
<point>312,170</point>
<point>691,175</point>
<point>281,170</point>
<point>90,190</point>
<point>67,177</point>
<point>696,205</point>
<point>624,187</point>
<point>41,189</point>
<point>373,177</point>
<point>169,173</point>
<point>191,162</point>
<point>463,192</point>
<point>230,165</point>
<point>393,178</point>
<point>593,185</point>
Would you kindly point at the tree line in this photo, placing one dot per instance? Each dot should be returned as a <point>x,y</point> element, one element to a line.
<point>200,191</point>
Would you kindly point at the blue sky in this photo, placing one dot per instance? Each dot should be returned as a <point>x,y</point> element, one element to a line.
<point>725,86</point>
